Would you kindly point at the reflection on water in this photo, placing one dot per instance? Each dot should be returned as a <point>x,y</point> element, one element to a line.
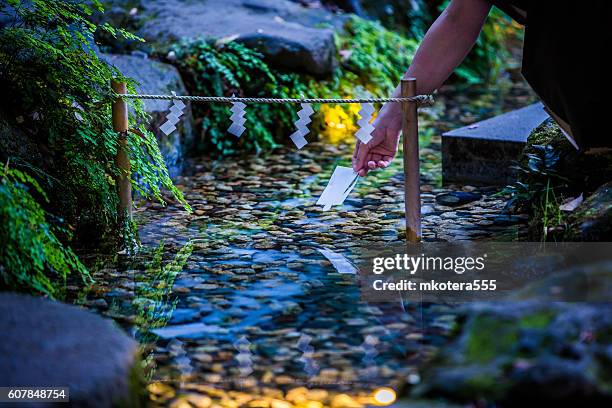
<point>236,306</point>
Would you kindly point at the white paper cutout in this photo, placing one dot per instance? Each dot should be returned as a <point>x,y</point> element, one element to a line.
<point>342,265</point>
<point>364,134</point>
<point>340,185</point>
<point>176,111</point>
<point>571,204</point>
<point>237,118</point>
<point>302,126</point>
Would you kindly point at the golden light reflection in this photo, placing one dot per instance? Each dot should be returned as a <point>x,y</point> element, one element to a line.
<point>340,122</point>
<point>384,396</point>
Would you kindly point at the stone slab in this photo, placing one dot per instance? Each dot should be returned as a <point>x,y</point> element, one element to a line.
<point>484,152</point>
<point>45,343</point>
<point>513,126</point>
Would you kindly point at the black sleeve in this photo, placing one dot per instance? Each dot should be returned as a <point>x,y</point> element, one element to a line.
<point>514,9</point>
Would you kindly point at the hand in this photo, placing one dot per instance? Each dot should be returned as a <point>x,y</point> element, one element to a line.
<point>380,151</point>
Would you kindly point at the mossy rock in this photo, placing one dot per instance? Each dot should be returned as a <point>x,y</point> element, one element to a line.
<point>548,133</point>
<point>585,172</point>
<point>592,220</point>
<point>573,173</point>
<point>512,352</point>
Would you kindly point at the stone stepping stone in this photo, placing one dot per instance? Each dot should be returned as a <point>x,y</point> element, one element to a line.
<point>51,344</point>
<point>484,152</point>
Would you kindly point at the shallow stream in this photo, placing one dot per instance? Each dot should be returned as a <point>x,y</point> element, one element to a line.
<point>234,305</point>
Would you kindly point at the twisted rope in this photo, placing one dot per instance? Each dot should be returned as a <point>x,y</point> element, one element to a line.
<point>420,99</point>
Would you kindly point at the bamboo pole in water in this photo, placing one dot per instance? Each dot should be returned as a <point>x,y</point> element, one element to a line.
<point>410,136</point>
<point>122,161</point>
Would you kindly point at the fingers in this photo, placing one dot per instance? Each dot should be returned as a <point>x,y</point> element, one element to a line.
<point>367,161</point>
<point>385,161</point>
<point>373,161</point>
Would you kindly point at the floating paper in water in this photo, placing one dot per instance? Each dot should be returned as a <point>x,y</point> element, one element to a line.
<point>237,118</point>
<point>191,330</point>
<point>176,111</point>
<point>340,185</point>
<point>244,356</point>
<point>364,134</point>
<point>302,126</point>
<point>310,365</point>
<point>342,265</point>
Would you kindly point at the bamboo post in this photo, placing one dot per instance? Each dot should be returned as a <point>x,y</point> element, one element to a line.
<point>122,161</point>
<point>410,136</point>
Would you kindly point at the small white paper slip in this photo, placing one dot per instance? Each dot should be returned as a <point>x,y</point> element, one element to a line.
<point>342,265</point>
<point>340,185</point>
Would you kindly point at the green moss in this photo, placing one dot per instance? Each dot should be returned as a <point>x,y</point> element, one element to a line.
<point>536,320</point>
<point>489,337</point>
<point>137,394</point>
<point>378,57</point>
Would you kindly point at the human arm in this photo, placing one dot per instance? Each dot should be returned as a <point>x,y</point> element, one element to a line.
<point>445,45</point>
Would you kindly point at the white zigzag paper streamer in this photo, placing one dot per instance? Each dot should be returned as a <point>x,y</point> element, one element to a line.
<point>364,134</point>
<point>302,126</point>
<point>237,118</point>
<point>176,111</point>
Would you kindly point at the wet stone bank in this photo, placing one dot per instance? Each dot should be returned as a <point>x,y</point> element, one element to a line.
<point>235,306</point>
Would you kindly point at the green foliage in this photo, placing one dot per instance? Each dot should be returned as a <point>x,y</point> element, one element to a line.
<point>372,59</point>
<point>377,57</point>
<point>154,303</point>
<point>540,189</point>
<point>410,18</point>
<point>541,171</point>
<point>31,257</point>
<point>490,55</point>
<point>63,96</point>
<point>211,68</point>
<point>60,108</point>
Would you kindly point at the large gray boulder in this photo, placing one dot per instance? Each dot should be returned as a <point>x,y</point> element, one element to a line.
<point>51,344</point>
<point>159,78</point>
<point>286,33</point>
